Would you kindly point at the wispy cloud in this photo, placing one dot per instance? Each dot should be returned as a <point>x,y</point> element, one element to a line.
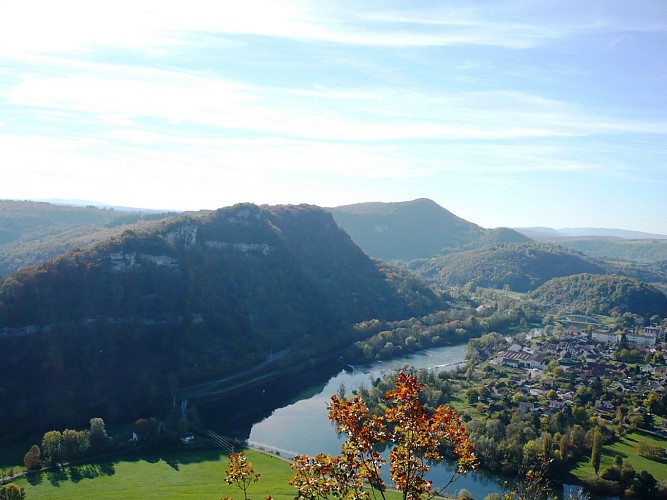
<point>29,27</point>
<point>362,114</point>
<point>288,100</point>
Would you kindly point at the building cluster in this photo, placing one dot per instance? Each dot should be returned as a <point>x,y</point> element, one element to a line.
<point>649,335</point>
<point>582,357</point>
<point>577,348</point>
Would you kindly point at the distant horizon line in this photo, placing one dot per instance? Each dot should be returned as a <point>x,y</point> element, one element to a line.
<point>566,232</point>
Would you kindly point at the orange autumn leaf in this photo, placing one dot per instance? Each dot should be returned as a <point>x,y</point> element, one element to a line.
<point>416,436</point>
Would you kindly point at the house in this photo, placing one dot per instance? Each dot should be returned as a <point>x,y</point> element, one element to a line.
<point>603,405</point>
<point>526,407</point>
<point>567,396</point>
<point>556,404</point>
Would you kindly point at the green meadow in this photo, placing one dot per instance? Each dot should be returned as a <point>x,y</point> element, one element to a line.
<point>174,475</point>
<point>183,474</point>
<point>626,448</point>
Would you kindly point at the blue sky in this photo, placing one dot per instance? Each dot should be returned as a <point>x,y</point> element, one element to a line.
<point>507,113</point>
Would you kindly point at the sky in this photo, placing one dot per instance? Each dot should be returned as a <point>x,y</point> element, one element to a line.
<point>506,113</point>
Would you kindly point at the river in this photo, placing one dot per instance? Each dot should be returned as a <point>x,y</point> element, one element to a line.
<point>290,416</point>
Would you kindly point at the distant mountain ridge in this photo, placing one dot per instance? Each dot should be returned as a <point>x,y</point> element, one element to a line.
<point>614,244</point>
<point>414,229</point>
<point>31,231</point>
<point>547,233</point>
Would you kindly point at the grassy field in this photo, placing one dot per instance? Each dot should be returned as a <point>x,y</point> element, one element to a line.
<point>626,447</point>
<point>177,475</point>
<point>187,474</point>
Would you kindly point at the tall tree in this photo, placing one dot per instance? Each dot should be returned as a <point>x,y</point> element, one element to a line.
<point>51,449</point>
<point>98,434</point>
<point>596,451</point>
<point>73,443</point>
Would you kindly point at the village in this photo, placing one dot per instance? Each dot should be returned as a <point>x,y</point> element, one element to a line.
<point>619,376</point>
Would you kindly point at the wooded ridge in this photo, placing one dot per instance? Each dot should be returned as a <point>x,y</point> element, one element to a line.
<point>116,328</point>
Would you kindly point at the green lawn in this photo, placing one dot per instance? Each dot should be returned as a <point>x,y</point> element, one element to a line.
<point>190,474</point>
<point>626,447</point>
<point>177,475</point>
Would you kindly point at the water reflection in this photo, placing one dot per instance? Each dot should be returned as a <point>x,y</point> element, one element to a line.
<point>290,416</point>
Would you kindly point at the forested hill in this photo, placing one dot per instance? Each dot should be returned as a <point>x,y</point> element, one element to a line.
<point>117,327</point>
<point>591,294</point>
<point>31,232</point>
<point>521,267</point>
<point>525,266</point>
<point>414,229</point>
<point>645,251</point>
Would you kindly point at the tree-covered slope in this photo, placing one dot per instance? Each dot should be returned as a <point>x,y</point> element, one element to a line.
<point>522,267</point>
<point>596,294</point>
<point>414,229</point>
<point>644,251</point>
<point>117,327</point>
<point>31,232</point>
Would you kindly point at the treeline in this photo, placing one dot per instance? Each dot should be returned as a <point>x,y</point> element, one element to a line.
<point>68,445</point>
<point>605,295</point>
<point>457,324</point>
<point>58,447</point>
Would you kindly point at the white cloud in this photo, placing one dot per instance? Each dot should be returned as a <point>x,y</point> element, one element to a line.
<point>31,27</point>
<point>118,95</point>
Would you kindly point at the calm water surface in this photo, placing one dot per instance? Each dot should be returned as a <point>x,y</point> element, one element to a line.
<point>304,427</point>
<point>299,422</point>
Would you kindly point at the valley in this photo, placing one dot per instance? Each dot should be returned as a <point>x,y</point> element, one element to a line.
<point>161,318</point>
